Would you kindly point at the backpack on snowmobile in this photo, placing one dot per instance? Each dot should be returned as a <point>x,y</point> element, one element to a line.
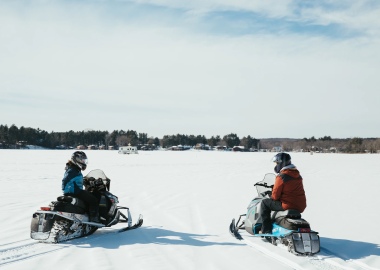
<point>289,228</point>
<point>67,217</point>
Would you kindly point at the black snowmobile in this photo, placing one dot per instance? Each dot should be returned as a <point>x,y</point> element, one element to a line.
<point>289,228</point>
<point>67,218</point>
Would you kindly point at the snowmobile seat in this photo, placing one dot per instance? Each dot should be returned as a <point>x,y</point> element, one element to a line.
<point>290,219</point>
<point>73,200</point>
<point>69,204</point>
<point>290,213</point>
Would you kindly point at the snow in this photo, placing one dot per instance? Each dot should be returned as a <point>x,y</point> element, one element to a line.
<point>188,200</point>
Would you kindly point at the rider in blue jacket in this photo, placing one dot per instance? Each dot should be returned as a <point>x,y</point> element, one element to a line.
<point>72,184</point>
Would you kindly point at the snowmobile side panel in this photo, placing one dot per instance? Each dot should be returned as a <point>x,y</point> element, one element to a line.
<point>277,231</point>
<point>253,220</point>
<point>73,217</point>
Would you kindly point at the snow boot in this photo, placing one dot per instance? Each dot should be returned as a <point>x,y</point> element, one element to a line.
<point>94,217</point>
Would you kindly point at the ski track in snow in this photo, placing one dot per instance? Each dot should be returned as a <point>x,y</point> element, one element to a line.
<point>325,260</point>
<point>14,252</point>
<point>353,264</point>
<point>24,249</point>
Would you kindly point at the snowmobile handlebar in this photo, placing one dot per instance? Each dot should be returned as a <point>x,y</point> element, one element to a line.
<point>264,185</point>
<point>94,184</point>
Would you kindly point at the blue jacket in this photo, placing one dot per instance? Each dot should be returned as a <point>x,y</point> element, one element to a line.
<point>72,180</point>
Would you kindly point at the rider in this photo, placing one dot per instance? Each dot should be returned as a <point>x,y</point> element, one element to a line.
<point>287,193</point>
<point>72,184</point>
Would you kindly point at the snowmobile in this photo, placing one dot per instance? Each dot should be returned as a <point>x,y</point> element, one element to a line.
<point>67,217</point>
<point>289,228</point>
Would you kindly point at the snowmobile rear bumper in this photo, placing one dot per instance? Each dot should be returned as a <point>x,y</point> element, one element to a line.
<point>43,222</point>
<point>41,225</point>
<point>304,243</point>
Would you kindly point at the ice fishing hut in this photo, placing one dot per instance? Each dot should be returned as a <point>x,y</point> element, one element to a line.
<point>128,149</point>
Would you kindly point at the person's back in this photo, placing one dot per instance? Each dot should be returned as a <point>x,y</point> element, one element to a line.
<point>72,180</point>
<point>289,189</point>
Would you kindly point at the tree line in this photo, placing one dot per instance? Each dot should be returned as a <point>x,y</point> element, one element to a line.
<point>14,137</point>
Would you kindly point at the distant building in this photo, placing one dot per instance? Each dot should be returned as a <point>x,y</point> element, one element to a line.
<point>277,149</point>
<point>202,146</point>
<point>238,148</point>
<point>128,149</point>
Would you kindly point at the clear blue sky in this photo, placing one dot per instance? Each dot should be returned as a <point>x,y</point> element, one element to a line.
<point>211,67</point>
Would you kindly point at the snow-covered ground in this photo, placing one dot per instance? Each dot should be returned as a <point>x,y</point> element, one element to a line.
<point>188,200</point>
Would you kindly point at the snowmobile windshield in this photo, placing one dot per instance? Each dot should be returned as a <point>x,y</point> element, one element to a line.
<point>96,174</point>
<point>266,184</point>
<point>97,178</point>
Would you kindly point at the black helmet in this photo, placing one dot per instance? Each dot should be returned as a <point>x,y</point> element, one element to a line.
<point>281,160</point>
<point>79,158</point>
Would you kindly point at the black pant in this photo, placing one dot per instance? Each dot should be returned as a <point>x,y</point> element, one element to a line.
<point>90,200</point>
<point>268,205</point>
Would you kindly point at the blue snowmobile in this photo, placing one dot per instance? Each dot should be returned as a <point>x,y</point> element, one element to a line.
<point>289,228</point>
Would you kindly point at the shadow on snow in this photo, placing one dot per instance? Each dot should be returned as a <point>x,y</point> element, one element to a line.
<point>348,249</point>
<point>149,235</point>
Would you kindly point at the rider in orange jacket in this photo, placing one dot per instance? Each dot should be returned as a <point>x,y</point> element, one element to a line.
<point>287,193</point>
<point>288,188</point>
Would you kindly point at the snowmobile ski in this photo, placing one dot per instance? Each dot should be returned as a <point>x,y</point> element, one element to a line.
<point>234,231</point>
<point>135,226</point>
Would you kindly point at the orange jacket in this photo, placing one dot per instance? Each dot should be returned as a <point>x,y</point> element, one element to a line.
<point>288,188</point>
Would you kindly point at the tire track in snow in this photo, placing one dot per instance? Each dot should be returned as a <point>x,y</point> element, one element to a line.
<point>273,256</point>
<point>24,249</point>
<point>326,260</point>
<point>13,252</point>
<point>353,263</point>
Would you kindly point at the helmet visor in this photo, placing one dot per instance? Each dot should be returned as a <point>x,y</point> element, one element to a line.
<point>81,160</point>
<point>277,159</point>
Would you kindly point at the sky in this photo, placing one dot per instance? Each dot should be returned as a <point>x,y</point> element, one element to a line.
<point>266,69</point>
